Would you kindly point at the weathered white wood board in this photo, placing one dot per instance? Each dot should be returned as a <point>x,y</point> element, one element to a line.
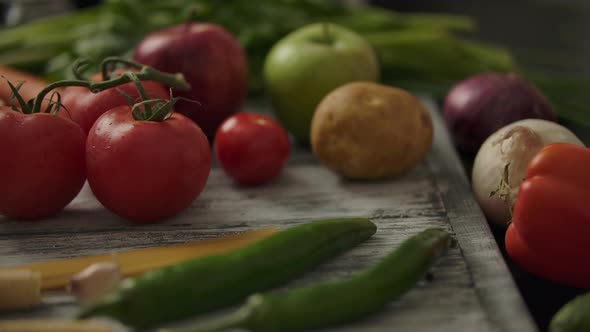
<point>472,289</point>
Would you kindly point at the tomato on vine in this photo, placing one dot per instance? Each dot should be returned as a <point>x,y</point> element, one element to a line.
<point>84,106</point>
<point>145,162</point>
<point>43,165</point>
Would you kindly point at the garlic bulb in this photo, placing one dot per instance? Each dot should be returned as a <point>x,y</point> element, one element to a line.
<point>95,281</point>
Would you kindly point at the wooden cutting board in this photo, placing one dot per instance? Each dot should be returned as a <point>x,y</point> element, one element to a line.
<point>472,289</point>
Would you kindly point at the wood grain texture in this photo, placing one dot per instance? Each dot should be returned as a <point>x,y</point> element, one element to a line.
<point>471,291</point>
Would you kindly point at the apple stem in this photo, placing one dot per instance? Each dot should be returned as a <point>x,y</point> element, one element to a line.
<point>190,17</point>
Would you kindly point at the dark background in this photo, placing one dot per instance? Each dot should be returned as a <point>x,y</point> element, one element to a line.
<point>559,27</point>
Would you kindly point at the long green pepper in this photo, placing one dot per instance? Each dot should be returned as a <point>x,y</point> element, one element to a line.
<point>326,304</point>
<point>209,283</point>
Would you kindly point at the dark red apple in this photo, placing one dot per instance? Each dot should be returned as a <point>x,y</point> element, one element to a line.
<point>212,61</point>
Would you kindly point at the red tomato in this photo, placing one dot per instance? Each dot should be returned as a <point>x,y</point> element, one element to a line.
<point>145,171</point>
<point>251,148</point>
<point>84,107</point>
<point>43,163</point>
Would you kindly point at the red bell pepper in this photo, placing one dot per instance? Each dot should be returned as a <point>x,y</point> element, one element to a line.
<point>550,231</point>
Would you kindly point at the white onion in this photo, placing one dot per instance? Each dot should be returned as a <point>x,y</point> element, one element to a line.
<point>512,146</point>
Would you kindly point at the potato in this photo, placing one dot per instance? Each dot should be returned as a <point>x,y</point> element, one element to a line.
<point>369,131</point>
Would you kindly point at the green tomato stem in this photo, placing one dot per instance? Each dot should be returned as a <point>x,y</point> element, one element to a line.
<point>110,62</point>
<point>161,111</point>
<point>78,67</point>
<point>16,95</point>
<point>142,93</point>
<point>145,74</point>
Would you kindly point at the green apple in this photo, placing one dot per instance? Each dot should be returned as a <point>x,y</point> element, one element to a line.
<point>309,63</point>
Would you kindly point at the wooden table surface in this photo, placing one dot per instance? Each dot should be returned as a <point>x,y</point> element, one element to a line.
<point>472,289</point>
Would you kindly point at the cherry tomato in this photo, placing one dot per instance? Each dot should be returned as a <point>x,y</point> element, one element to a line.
<point>84,107</point>
<point>43,163</point>
<point>146,171</point>
<point>251,148</point>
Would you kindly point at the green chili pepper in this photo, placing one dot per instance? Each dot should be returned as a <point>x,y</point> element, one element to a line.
<point>321,305</point>
<point>209,283</point>
<point>574,316</point>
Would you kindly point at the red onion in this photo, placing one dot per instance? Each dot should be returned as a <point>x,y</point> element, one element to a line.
<point>480,105</point>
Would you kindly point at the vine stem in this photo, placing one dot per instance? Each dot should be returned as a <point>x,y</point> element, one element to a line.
<point>109,62</point>
<point>145,74</point>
